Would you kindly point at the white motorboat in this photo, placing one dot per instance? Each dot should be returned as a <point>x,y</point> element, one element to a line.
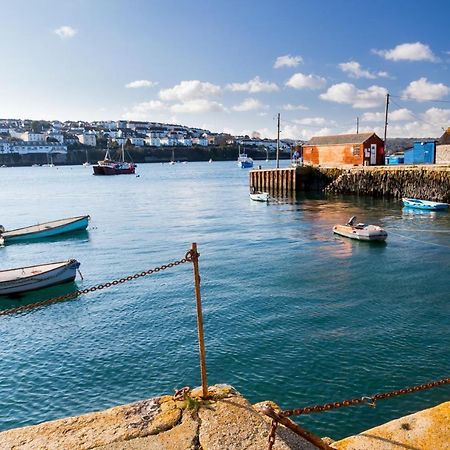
<point>23,279</point>
<point>43,230</point>
<point>360,231</point>
<point>258,196</point>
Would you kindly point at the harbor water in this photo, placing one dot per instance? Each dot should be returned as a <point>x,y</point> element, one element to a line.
<point>292,313</point>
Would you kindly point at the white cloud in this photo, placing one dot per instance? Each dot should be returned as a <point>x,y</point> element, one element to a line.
<point>301,81</point>
<point>428,124</point>
<point>313,121</point>
<point>65,32</point>
<point>414,51</point>
<point>354,70</point>
<point>422,90</point>
<point>287,61</point>
<point>140,83</point>
<point>291,107</point>
<point>254,86</point>
<point>249,104</point>
<point>190,90</point>
<point>199,105</point>
<point>290,131</point>
<point>397,115</point>
<point>146,110</point>
<point>437,116</point>
<point>347,93</point>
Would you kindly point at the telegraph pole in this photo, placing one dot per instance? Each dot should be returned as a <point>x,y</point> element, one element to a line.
<point>386,120</point>
<point>357,125</point>
<point>278,142</point>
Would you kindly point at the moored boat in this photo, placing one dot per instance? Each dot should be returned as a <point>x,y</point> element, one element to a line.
<point>423,204</point>
<point>360,231</point>
<point>244,161</point>
<point>23,279</point>
<point>110,167</point>
<point>44,230</point>
<point>258,196</point>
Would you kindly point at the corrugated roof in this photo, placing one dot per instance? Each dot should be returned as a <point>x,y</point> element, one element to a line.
<point>359,138</point>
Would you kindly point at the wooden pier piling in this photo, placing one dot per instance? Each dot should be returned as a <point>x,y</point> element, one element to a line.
<point>274,181</point>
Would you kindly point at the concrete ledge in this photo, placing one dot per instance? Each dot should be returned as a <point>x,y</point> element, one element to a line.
<point>425,430</point>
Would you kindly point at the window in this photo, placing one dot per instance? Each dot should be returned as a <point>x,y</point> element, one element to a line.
<point>356,150</point>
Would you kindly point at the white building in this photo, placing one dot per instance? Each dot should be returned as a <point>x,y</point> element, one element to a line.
<point>5,146</point>
<point>88,138</point>
<point>26,148</point>
<point>200,141</point>
<point>185,141</point>
<point>137,141</point>
<point>168,141</point>
<point>153,141</point>
<point>56,135</point>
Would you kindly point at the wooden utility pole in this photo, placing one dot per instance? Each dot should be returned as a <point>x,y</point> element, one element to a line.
<point>386,120</point>
<point>357,125</point>
<point>201,341</point>
<point>278,142</point>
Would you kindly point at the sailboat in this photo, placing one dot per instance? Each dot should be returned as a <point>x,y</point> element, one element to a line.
<point>49,164</point>
<point>172,160</point>
<point>244,161</point>
<point>110,167</point>
<point>86,164</point>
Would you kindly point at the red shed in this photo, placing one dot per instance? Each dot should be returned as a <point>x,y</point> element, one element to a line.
<point>363,149</point>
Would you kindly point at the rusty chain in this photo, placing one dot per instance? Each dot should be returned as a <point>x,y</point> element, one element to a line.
<point>371,401</point>
<point>189,257</point>
<point>365,399</point>
<point>272,434</point>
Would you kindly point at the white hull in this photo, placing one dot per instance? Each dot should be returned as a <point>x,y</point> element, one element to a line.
<point>260,196</point>
<point>364,233</point>
<point>16,281</point>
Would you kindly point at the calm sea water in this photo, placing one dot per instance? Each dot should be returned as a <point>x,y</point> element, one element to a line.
<point>292,313</point>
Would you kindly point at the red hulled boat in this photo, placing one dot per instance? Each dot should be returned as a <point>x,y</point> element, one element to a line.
<point>110,167</point>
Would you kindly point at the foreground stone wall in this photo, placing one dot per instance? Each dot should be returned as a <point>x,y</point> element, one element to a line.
<point>425,182</point>
<point>226,421</point>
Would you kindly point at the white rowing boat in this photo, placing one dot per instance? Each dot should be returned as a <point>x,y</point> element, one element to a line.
<point>44,230</point>
<point>259,196</point>
<point>360,231</point>
<point>23,279</point>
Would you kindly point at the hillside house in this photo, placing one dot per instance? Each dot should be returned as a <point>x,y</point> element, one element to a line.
<point>363,149</point>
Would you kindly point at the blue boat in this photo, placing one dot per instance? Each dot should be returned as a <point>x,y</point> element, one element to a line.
<point>244,161</point>
<point>44,230</point>
<point>424,204</point>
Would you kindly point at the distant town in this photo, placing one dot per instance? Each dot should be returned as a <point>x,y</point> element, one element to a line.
<point>29,141</point>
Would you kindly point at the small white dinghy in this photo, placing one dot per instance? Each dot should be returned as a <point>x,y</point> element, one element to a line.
<point>259,196</point>
<point>44,230</point>
<point>360,231</point>
<point>23,279</point>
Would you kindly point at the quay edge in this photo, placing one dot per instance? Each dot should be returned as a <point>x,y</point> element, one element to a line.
<point>430,182</point>
<point>226,420</point>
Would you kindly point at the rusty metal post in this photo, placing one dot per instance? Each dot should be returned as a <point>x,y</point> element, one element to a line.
<point>305,434</point>
<point>201,343</point>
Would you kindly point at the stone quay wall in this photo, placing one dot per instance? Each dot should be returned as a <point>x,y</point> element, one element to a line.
<point>425,182</point>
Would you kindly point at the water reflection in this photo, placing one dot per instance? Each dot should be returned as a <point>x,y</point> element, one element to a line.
<point>26,298</point>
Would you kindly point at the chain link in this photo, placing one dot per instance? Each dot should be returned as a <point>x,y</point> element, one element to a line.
<point>189,257</point>
<point>272,434</point>
<point>369,400</point>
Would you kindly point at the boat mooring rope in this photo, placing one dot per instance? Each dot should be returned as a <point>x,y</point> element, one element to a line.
<point>418,240</point>
<point>189,257</point>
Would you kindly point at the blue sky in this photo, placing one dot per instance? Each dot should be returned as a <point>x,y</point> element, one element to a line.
<point>230,65</point>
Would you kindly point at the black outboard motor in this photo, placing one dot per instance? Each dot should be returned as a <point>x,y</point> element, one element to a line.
<point>351,221</point>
